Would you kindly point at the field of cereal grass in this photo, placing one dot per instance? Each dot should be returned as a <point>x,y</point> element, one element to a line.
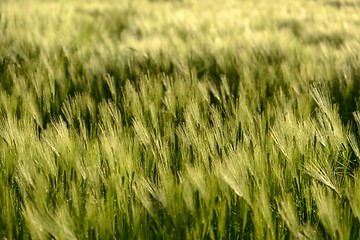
<point>179,119</point>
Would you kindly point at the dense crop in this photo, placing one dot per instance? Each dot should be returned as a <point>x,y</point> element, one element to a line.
<point>180,119</point>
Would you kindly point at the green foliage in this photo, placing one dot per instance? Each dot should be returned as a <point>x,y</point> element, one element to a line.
<point>179,120</point>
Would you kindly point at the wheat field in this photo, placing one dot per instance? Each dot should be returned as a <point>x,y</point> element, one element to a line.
<point>139,119</point>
